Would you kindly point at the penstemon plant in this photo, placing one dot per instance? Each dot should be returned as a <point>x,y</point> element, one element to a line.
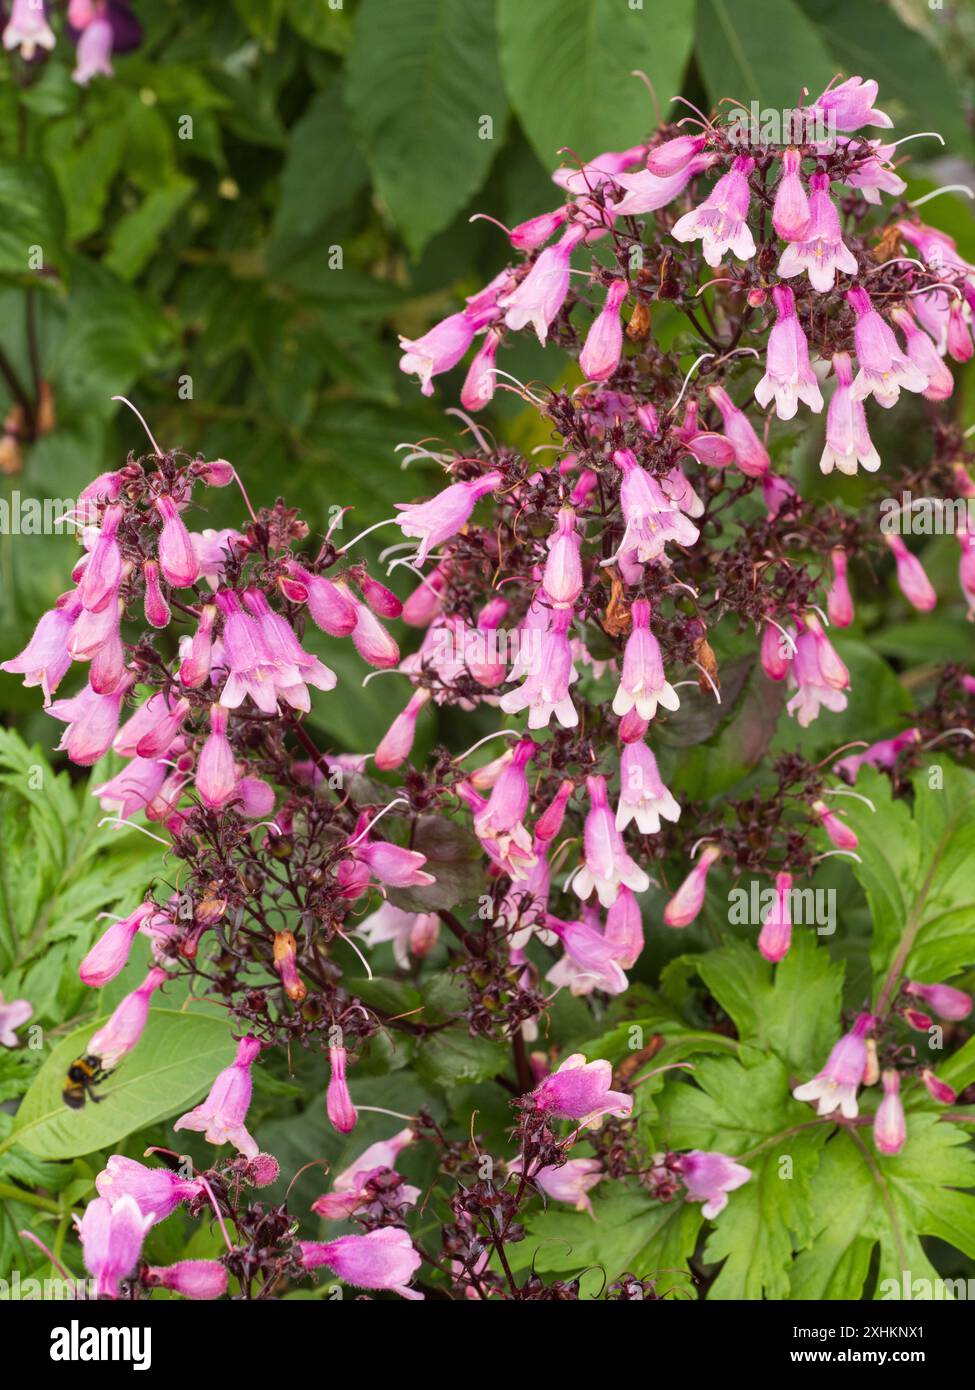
<point>598,613</point>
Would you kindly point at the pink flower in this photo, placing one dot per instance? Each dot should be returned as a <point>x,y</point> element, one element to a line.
<point>883,367</point>
<point>606,864</point>
<point>689,898</point>
<point>883,754</point>
<point>874,174</point>
<point>443,516</point>
<point>624,928</point>
<point>850,105</point>
<point>546,687</point>
<point>818,675</point>
<point>775,652</point>
<point>788,375</point>
<point>945,1000</point>
<point>643,682</point>
<point>848,441</point>
<point>481,380</point>
<point>648,191</point>
<point>541,294</point>
<point>590,954</point>
<point>775,938</point>
<point>411,933</point>
<point>157,1192</point>
<point>563,580</point>
<point>92,721</point>
<point>438,350</point>
<point>116,1038</point>
<point>94,52</point>
<point>652,517</point>
<point>914,583</point>
<point>338,1103</point>
<point>370,639</point>
<point>580,1090</point>
<point>177,557</point>
<point>838,831</point>
<point>571,1181</point>
<point>196,656</point>
<point>12,1015</point>
<point>111,1241</point>
<point>27,28</point>
<point>396,867</point>
<point>822,252</point>
<point>529,235</point>
<point>216,771</point>
<point>383,1259</point>
<point>157,610</point>
<point>395,745</point>
<point>937,1089</point>
<point>721,221</point>
<point>709,1177</point>
<point>46,659</point>
<point>604,343</point>
<point>103,569</point>
<point>790,214</point>
<point>835,1087</point>
<point>839,604</point>
<point>674,155</point>
<point>288,656</point>
<point>598,171</point>
<point>331,608</point>
<point>110,953</point>
<point>349,1190</point>
<point>750,454</point>
<point>221,1117</point>
<point>924,355</point>
<point>643,796</point>
<point>889,1123</point>
<point>499,825</point>
<point>189,1278</point>
<point>959,337</point>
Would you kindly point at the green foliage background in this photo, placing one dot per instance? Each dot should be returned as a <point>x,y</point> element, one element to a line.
<point>321,207</point>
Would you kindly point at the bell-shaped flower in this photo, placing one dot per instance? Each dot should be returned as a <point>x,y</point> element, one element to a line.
<point>848,441</point>
<point>383,1259</point>
<point>92,721</point>
<point>822,252</point>
<point>46,658</point>
<point>116,1038</point>
<point>839,603</point>
<point>341,1112</point>
<point>541,294</point>
<point>110,953</point>
<point>709,1176</point>
<point>157,1192</point>
<point>788,375</point>
<point>111,1242</point>
<point>581,1090</point>
<point>687,902</point>
<point>775,938</point>
<point>818,676</point>
<point>914,584</point>
<point>643,796</point>
<point>604,342</point>
<point>606,864</point>
<point>884,369</point>
<point>545,690</point>
<point>438,350</point>
<point>835,1087</point>
<point>643,681</point>
<point>750,454</point>
<point>925,356</point>
<point>221,1117</point>
<point>721,221</point>
<point>889,1123</point>
<point>790,212</point>
<point>444,515</point>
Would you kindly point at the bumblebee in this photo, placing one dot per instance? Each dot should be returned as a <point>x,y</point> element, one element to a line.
<point>84,1074</point>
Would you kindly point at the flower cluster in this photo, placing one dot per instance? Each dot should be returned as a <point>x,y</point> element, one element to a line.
<point>98,28</point>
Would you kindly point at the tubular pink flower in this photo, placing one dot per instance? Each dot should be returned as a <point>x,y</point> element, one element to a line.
<point>94,52</point>
<point>396,867</point>
<point>221,1117</point>
<point>194,667</point>
<point>652,518</point>
<point>540,296</point>
<point>788,375</point>
<point>411,933</point>
<point>721,221</point>
<point>875,174</point>
<point>481,380</point>
<point>643,796</point>
<point>775,938</point>
<point>156,608</point>
<point>438,350</point>
<point>216,771</point>
<point>946,1001</point>
<point>913,582</point>
<point>750,454</point>
<point>817,674</point>
<point>103,571</point>
<point>115,1039</point>
<point>924,355</point>
<point>545,690</point>
<point>624,928</point>
<point>674,155</point>
<point>331,608</point>
<point>839,604</point>
<point>889,1123</point>
<point>110,953</point>
<point>606,865</point>
<point>571,1181</point>
<point>775,653</point>
<point>177,557</point>
<point>580,1090</point>
<point>12,1015</point>
<point>598,171</point>
<point>395,745</point>
<point>648,192</point>
<point>111,1242</point>
<point>822,253</point>
<point>850,105</point>
<point>643,682</point>
<point>528,236</point>
<point>338,1103</point>
<point>189,1278</point>
<point>46,658</point>
<point>563,580</point>
<point>884,369</point>
<point>689,898</point>
<point>881,755</point>
<point>848,441</point>
<point>28,29</point>
<point>92,721</point>
<point>592,957</point>
<point>134,788</point>
<point>383,1259</point>
<point>835,1087</point>
<point>937,1089</point>
<point>604,343</point>
<point>157,1192</point>
<point>709,1176</point>
<point>443,516</point>
<point>791,214</point>
<point>838,831</point>
<point>279,641</point>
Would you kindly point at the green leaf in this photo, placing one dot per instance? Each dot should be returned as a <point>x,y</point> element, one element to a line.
<point>862,1199</point>
<point>567,66</point>
<point>31,216</point>
<point>749,1112</point>
<point>177,1058</point>
<point>262,17</point>
<point>449,1058</point>
<point>136,236</point>
<point>917,871</point>
<point>454,857</point>
<point>760,50</point>
<point>421,76</point>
